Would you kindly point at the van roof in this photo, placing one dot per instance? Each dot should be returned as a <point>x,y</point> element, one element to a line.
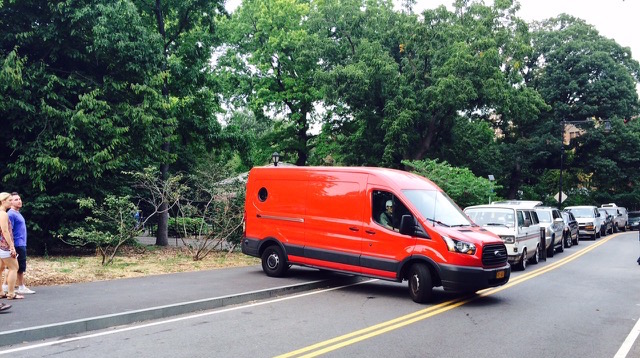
<point>496,205</point>
<point>520,203</point>
<point>403,179</point>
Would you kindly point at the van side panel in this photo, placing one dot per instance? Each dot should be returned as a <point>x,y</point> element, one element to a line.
<point>281,214</point>
<point>333,219</point>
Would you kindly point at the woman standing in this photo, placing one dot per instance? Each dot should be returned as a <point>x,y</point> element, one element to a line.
<point>7,248</point>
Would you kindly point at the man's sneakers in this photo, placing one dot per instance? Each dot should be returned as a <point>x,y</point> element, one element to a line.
<point>23,290</point>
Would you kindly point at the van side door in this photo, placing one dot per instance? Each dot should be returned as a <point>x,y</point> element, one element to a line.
<point>334,216</point>
<point>383,247</point>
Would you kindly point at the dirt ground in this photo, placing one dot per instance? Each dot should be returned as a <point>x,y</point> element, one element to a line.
<point>132,262</point>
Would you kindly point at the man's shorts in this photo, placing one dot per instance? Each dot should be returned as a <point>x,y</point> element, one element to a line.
<point>22,258</point>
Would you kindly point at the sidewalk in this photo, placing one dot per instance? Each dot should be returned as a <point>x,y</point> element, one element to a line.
<point>56,311</point>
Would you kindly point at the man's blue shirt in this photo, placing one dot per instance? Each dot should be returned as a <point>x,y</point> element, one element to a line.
<point>19,228</point>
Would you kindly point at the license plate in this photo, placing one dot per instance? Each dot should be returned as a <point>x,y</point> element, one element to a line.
<point>500,274</point>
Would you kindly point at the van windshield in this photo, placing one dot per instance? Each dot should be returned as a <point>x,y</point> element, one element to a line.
<point>581,212</point>
<point>492,216</point>
<point>437,207</point>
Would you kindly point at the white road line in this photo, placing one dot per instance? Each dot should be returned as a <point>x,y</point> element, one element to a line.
<point>628,343</point>
<point>184,318</point>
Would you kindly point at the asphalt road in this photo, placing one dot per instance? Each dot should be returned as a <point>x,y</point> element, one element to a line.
<point>584,302</point>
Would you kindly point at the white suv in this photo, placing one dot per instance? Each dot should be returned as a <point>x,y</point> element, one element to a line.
<point>517,226</point>
<point>589,220</point>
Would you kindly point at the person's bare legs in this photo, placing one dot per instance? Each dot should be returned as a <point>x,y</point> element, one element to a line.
<point>12,275</point>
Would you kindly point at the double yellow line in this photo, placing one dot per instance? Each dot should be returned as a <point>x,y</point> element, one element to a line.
<point>384,327</point>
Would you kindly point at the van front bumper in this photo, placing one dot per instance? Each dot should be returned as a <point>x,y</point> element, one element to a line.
<point>467,279</point>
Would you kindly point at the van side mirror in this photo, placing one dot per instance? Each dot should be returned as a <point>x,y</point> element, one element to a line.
<point>407,225</point>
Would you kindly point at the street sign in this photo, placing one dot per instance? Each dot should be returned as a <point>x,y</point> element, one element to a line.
<point>557,197</point>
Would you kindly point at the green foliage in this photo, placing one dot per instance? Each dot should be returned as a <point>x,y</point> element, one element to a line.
<point>269,62</point>
<point>108,226</point>
<point>459,183</point>
<point>186,226</point>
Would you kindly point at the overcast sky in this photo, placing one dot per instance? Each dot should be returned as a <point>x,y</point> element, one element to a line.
<point>616,19</point>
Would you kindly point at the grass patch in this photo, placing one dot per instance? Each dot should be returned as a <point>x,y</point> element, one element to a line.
<point>132,262</point>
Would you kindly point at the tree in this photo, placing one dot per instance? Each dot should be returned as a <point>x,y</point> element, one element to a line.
<point>188,104</point>
<point>586,77</point>
<point>459,183</point>
<point>270,63</point>
<point>81,76</point>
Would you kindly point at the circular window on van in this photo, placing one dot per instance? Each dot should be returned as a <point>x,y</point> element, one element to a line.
<point>262,194</point>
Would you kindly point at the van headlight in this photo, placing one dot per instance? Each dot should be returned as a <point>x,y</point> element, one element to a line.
<point>589,226</point>
<point>508,239</point>
<point>459,246</point>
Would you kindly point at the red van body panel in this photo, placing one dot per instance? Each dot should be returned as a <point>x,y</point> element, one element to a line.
<point>327,217</point>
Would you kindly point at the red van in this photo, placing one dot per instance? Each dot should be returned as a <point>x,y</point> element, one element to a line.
<point>375,222</point>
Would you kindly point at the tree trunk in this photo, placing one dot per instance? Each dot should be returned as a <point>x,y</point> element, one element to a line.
<point>425,144</point>
<point>514,182</point>
<point>162,234</point>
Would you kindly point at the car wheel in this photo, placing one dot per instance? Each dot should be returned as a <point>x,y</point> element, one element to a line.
<point>552,249</point>
<point>536,257</point>
<point>616,228</point>
<point>420,286</point>
<point>577,240</point>
<point>274,263</point>
<point>594,237</point>
<point>624,228</point>
<point>567,240</point>
<point>523,261</point>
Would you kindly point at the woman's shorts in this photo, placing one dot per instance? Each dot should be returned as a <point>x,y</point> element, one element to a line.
<point>5,254</point>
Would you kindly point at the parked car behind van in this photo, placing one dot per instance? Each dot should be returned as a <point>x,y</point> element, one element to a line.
<point>634,220</point>
<point>553,224</point>
<point>570,229</point>
<point>607,222</point>
<point>375,222</point>
<point>589,220</point>
<point>623,220</point>
<point>618,220</point>
<point>516,227</point>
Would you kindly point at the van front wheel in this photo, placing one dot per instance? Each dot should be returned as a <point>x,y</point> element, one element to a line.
<point>420,286</point>
<point>274,263</point>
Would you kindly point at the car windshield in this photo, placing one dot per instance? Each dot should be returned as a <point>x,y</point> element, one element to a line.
<point>613,212</point>
<point>582,212</point>
<point>544,216</point>
<point>492,216</point>
<point>634,215</point>
<point>437,207</point>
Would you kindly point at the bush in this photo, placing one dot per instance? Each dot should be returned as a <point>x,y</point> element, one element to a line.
<point>185,226</point>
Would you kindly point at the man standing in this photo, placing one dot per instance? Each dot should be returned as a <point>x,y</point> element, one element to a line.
<point>19,229</point>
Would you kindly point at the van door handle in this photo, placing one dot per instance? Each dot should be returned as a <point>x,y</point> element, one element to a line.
<point>370,232</point>
<point>353,228</point>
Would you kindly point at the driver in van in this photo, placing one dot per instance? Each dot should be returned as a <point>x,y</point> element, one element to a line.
<point>386,218</point>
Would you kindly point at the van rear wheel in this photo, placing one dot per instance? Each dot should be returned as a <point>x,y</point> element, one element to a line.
<point>420,285</point>
<point>536,257</point>
<point>523,261</point>
<point>274,263</point>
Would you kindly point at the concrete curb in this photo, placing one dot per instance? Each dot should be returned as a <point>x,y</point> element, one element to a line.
<point>31,334</point>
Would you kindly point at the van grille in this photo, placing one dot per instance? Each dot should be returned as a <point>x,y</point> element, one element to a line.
<point>493,255</point>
